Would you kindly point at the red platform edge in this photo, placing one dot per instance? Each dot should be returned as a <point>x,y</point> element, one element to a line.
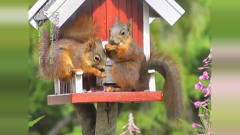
<point>95,97</point>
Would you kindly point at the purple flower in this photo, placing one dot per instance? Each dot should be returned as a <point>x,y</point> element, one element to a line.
<point>204,76</point>
<point>199,86</point>
<point>200,115</point>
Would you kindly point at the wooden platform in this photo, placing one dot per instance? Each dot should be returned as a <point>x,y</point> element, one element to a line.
<point>95,97</point>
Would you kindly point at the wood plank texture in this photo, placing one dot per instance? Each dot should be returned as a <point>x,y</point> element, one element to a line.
<point>112,13</point>
<point>140,23</point>
<point>135,20</point>
<point>122,7</point>
<point>59,99</point>
<point>100,17</point>
<point>95,97</point>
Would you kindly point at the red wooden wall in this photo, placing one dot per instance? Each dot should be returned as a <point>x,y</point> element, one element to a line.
<point>104,13</point>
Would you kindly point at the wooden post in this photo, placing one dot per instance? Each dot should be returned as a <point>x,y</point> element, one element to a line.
<point>57,86</point>
<point>87,117</point>
<point>107,114</point>
<point>146,31</point>
<point>146,44</point>
<point>152,84</point>
<point>77,83</point>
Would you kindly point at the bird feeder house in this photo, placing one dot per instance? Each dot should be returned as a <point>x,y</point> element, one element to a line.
<point>142,12</point>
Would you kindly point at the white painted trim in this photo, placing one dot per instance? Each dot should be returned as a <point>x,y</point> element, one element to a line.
<point>146,31</point>
<point>152,83</point>
<point>55,6</point>
<point>151,19</point>
<point>104,43</point>
<point>35,8</point>
<point>166,9</point>
<point>176,6</point>
<point>57,86</point>
<point>34,23</point>
<point>78,80</point>
<point>146,44</point>
<point>65,11</point>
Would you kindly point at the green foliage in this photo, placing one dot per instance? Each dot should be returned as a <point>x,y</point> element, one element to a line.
<point>188,42</point>
<point>33,122</point>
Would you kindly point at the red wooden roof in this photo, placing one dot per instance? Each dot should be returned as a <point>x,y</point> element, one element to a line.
<point>94,97</point>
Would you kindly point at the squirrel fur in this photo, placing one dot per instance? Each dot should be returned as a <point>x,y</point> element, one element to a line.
<point>130,68</point>
<point>77,49</point>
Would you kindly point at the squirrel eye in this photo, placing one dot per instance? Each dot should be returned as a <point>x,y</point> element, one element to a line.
<point>122,33</point>
<point>96,58</point>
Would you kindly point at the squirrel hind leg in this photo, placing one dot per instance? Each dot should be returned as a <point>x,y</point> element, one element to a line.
<point>63,67</point>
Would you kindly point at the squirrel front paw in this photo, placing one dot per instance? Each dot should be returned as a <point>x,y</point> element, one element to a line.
<point>109,47</point>
<point>109,89</point>
<point>101,74</point>
<point>77,70</point>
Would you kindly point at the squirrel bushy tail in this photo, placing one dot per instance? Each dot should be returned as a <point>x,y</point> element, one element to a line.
<point>172,88</point>
<point>81,30</point>
<point>44,55</point>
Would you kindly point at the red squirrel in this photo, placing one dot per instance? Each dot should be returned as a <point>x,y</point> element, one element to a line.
<point>130,68</point>
<point>78,49</point>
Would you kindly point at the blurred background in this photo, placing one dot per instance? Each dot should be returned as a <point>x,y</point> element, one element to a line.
<point>205,24</point>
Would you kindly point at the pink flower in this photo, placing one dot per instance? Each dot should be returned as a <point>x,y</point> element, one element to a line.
<point>131,126</point>
<point>199,86</point>
<point>206,92</point>
<point>200,115</point>
<point>197,104</point>
<point>204,76</point>
<point>194,125</point>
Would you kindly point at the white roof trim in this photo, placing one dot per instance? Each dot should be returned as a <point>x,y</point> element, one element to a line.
<point>169,10</point>
<point>176,6</point>
<point>65,11</point>
<point>151,19</point>
<point>54,7</point>
<point>34,23</point>
<point>35,8</point>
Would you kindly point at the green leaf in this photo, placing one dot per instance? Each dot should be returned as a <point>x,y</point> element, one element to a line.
<point>33,122</point>
<point>203,121</point>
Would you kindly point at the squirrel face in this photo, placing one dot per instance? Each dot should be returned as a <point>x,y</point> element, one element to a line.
<point>95,54</point>
<point>120,33</point>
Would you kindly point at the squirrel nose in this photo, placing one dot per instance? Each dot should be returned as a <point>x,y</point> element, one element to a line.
<point>102,69</point>
<point>111,41</point>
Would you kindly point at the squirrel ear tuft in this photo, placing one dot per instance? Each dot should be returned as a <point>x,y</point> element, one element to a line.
<point>117,20</point>
<point>98,40</point>
<point>91,46</point>
<point>129,25</point>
